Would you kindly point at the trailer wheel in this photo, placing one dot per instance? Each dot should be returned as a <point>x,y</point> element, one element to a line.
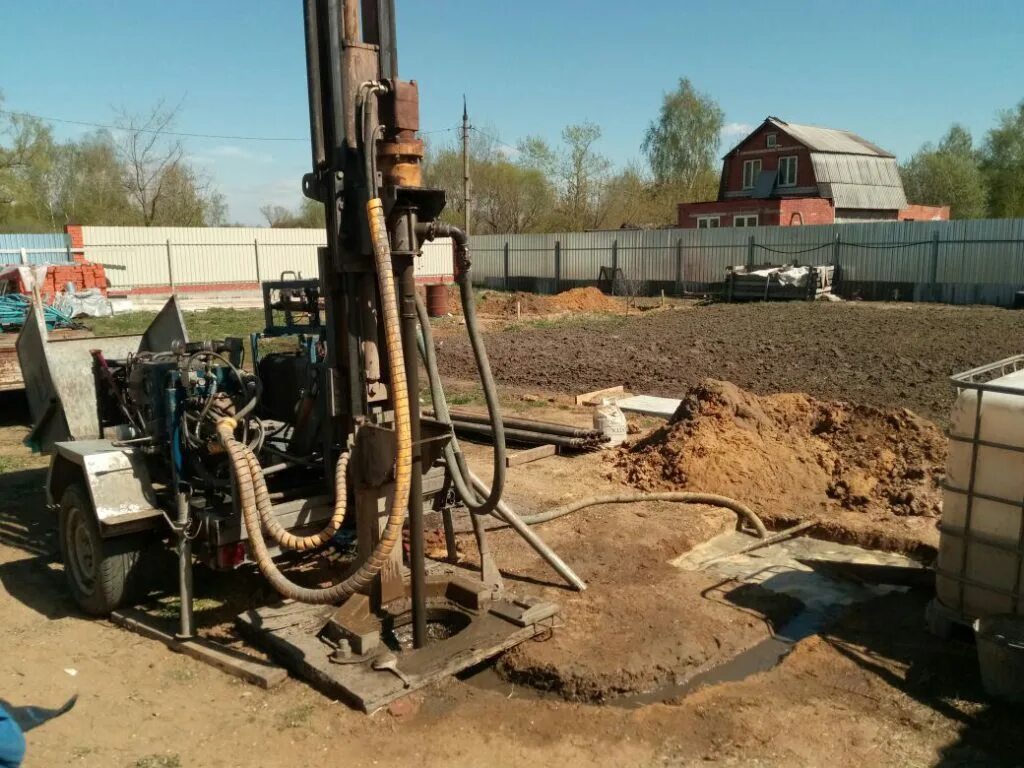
<point>103,574</point>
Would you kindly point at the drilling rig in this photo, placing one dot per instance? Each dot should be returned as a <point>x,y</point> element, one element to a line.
<point>165,440</point>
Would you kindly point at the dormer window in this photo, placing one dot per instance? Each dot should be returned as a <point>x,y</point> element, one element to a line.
<point>771,140</point>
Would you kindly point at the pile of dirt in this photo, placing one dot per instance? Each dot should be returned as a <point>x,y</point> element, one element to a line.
<point>503,304</point>
<point>584,300</point>
<point>869,475</point>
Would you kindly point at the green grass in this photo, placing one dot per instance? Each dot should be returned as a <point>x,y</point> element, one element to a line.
<point>158,761</point>
<point>214,323</point>
<point>297,717</point>
<point>10,464</point>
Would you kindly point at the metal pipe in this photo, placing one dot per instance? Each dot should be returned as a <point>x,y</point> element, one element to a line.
<point>506,515</point>
<point>351,17</point>
<point>187,628</point>
<point>522,436</point>
<point>316,115</point>
<point>530,425</point>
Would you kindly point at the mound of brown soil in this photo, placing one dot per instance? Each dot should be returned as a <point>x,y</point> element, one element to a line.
<point>588,299</point>
<point>502,304</point>
<point>792,458</point>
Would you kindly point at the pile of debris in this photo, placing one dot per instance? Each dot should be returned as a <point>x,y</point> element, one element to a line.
<point>795,458</point>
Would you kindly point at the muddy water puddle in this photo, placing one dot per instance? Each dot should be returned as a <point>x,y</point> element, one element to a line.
<point>824,595</point>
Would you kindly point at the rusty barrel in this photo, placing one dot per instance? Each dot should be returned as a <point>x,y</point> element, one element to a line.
<point>437,300</point>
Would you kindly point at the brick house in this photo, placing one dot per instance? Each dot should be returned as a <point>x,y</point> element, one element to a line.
<point>786,174</point>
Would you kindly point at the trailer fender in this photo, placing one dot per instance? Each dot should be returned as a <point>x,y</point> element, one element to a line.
<point>117,480</point>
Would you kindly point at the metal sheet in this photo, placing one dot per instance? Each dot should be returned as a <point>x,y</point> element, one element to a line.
<point>818,139</point>
<point>50,248</point>
<point>167,327</point>
<point>117,479</point>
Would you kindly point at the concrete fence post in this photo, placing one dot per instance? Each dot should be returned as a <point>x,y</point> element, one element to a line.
<point>680,281</point>
<point>170,266</point>
<point>558,266</point>
<point>507,267</point>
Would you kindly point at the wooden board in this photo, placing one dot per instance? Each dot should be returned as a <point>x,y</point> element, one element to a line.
<point>592,398</point>
<point>531,454</point>
<point>248,668</point>
<point>284,631</point>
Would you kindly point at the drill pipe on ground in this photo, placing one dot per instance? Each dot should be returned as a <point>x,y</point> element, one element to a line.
<point>534,425</point>
<point>522,437</point>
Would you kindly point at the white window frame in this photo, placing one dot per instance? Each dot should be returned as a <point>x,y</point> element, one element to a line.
<point>796,165</point>
<point>704,222</point>
<point>771,140</point>
<point>745,220</point>
<point>751,164</point>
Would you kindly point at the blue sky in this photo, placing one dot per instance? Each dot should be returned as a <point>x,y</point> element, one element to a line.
<point>897,72</point>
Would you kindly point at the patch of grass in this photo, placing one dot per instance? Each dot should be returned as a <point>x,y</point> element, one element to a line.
<point>158,761</point>
<point>215,323</point>
<point>297,717</point>
<point>10,464</point>
<point>469,397</point>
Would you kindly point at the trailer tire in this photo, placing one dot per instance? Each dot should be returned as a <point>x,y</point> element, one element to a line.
<point>102,574</point>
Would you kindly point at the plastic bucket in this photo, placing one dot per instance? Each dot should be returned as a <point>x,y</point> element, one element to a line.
<point>1000,641</point>
<point>437,300</point>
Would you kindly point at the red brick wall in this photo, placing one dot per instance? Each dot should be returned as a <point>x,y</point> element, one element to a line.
<point>74,232</point>
<point>805,211</point>
<point>754,148</point>
<point>770,212</point>
<point>925,213</point>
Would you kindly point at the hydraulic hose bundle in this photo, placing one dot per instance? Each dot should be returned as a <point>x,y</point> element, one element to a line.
<point>254,499</point>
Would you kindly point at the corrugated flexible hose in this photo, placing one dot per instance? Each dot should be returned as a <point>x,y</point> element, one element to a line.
<point>251,487</point>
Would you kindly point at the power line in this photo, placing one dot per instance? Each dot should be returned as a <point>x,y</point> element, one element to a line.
<point>495,139</point>
<point>181,134</point>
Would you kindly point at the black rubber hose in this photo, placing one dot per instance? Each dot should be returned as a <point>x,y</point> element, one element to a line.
<point>483,365</point>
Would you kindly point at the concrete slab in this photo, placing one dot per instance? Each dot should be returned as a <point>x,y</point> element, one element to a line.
<point>648,405</point>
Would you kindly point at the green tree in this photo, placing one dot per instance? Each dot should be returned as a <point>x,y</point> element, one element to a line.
<point>681,144</point>
<point>89,187</point>
<point>1003,164</point>
<point>948,174</point>
<point>27,165</point>
<point>310,215</point>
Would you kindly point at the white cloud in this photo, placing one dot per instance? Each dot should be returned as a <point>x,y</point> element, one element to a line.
<point>736,130</point>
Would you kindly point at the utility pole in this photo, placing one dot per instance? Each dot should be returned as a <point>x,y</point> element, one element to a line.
<point>465,167</point>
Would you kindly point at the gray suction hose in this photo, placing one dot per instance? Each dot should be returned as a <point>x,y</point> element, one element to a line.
<point>680,497</point>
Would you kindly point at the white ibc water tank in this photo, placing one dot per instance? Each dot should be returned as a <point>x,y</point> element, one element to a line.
<point>981,548</point>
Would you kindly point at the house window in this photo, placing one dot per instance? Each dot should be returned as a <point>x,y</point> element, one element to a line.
<point>787,171</point>
<point>751,170</point>
<point>709,222</point>
<point>749,220</point>
<point>771,140</point>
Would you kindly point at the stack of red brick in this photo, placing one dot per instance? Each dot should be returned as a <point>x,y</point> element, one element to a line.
<point>84,276</point>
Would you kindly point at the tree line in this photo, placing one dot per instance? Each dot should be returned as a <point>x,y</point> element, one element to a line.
<point>140,174</point>
<point>984,180</point>
<point>136,175</point>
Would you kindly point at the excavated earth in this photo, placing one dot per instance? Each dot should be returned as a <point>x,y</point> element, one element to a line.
<point>867,475</point>
<point>888,355</point>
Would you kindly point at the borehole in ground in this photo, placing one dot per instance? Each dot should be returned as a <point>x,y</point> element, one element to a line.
<point>442,623</point>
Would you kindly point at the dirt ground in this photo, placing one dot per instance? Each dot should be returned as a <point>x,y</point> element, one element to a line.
<point>873,689</point>
<point>889,355</point>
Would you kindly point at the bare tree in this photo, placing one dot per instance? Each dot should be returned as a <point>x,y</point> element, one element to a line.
<point>162,185</point>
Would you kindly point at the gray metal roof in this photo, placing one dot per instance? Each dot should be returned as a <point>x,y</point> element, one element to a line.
<point>829,139</point>
<point>859,181</point>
